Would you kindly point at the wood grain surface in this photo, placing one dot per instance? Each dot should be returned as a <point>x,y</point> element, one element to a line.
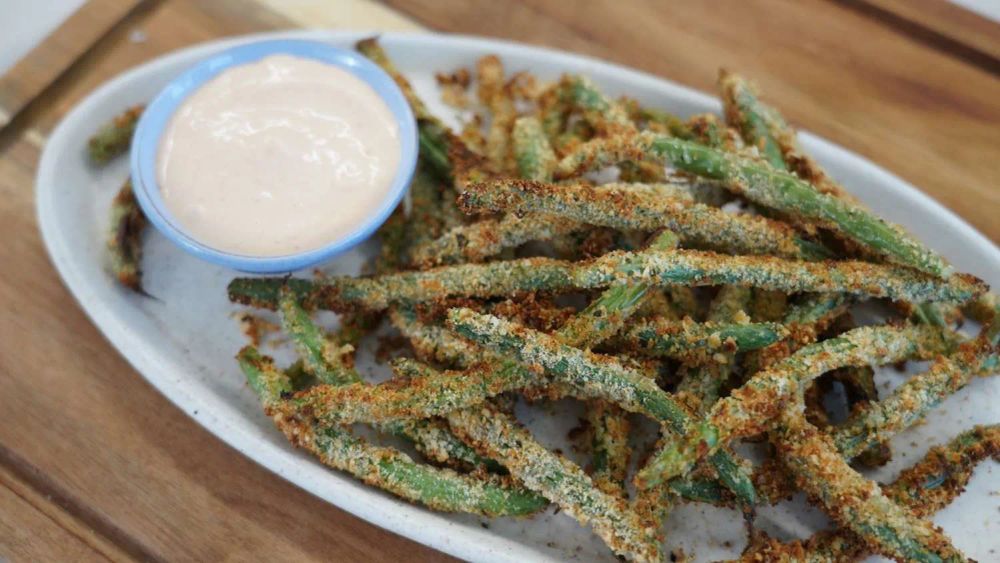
<point>33,73</point>
<point>96,465</point>
<point>945,24</point>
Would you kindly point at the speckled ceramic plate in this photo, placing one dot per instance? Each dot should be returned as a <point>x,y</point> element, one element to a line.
<point>183,342</point>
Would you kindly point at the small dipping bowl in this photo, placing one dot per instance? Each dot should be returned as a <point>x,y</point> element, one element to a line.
<point>157,116</point>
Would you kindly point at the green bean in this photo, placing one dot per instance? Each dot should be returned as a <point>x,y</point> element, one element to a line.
<point>805,318</point>
<point>640,210</point>
<point>924,488</point>
<point>535,159</point>
<point>607,314</point>
<point>437,344</point>
<point>494,95</point>
<point>114,138</point>
<point>941,476</point>
<point>371,49</point>
<point>385,468</point>
<point>434,395</point>
<point>558,479</point>
<point>610,452</point>
<point>320,357</point>
<point>602,318</point>
<point>908,403</point>
<point>755,120</point>
<point>761,184</point>
<point>125,241</point>
<point>855,502</point>
<point>489,237</point>
<point>553,111</point>
<point>436,442</point>
<point>593,376</point>
<point>706,129</point>
<point>433,343</point>
<point>984,309</point>
<point>751,408</point>
<point>678,267</point>
<point>434,137</point>
<point>699,342</point>
<point>662,122</point>
<point>705,381</point>
<point>764,126</point>
<point>860,391</point>
<point>817,309</point>
<point>602,113</point>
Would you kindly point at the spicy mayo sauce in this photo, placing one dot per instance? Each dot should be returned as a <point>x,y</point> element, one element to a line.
<point>277,157</point>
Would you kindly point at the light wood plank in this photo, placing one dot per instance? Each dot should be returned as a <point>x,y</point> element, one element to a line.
<point>50,58</point>
<point>347,14</point>
<point>27,535</point>
<point>36,526</point>
<point>947,20</point>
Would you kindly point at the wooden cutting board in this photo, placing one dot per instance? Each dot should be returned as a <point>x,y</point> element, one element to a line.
<point>96,465</point>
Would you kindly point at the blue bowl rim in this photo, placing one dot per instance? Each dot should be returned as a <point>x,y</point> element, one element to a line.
<point>149,130</point>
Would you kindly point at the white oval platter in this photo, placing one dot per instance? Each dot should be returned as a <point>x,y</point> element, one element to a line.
<point>183,342</point>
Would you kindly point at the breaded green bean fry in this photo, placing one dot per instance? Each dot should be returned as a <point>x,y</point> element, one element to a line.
<point>604,114</point>
<point>639,209</point>
<point>322,359</point>
<point>704,381</point>
<point>678,267</point>
<point>385,468</point>
<point>699,341</point>
<point>923,489</point>
<point>756,121</point>
<point>114,138</point>
<point>392,242</point>
<point>433,395</point>
<point>433,136</point>
<point>752,408</point>
<point>762,184</point>
<point>532,151</point>
<point>489,237</point>
<point>594,376</point>
<point>853,501</point>
<point>909,402</point>
<point>494,94</point>
<point>602,318</point>
<point>128,223</point>
<point>559,480</point>
<point>606,315</point>
<point>425,219</point>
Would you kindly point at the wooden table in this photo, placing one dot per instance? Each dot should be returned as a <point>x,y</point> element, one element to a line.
<point>95,464</point>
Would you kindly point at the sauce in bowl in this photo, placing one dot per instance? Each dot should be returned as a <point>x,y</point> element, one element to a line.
<point>277,157</point>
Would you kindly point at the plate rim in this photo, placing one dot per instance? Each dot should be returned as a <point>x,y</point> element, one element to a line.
<point>379,509</point>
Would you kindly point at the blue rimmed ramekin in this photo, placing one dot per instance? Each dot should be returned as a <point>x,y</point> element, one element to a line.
<point>156,117</point>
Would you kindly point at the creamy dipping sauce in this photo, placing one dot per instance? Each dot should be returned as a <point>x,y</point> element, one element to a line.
<point>277,157</point>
